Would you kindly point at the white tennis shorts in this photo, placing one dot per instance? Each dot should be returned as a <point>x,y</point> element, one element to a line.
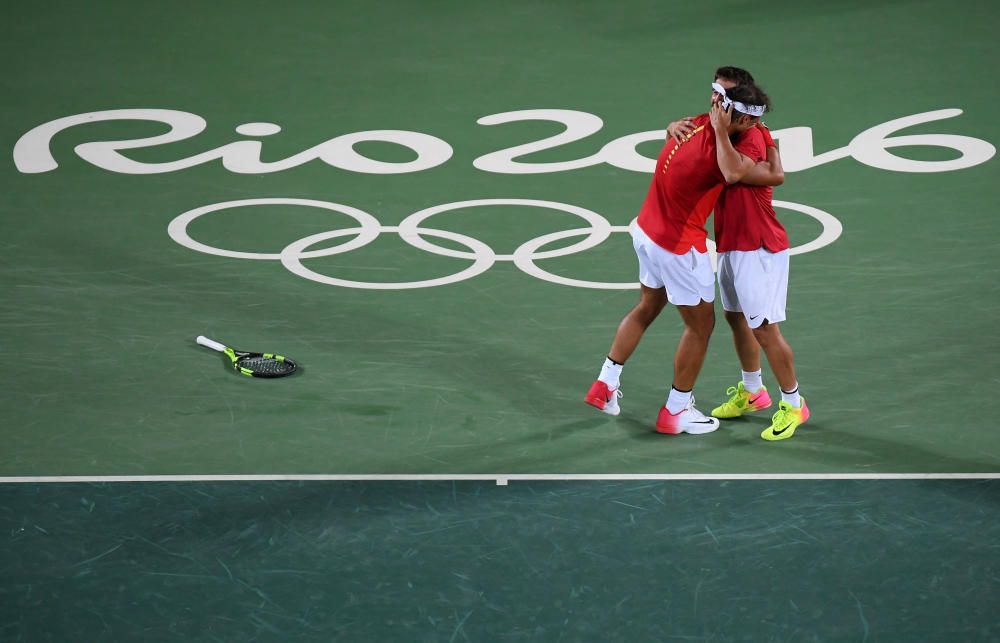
<point>688,278</point>
<point>755,283</point>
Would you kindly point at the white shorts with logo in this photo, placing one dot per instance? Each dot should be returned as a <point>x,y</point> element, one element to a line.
<point>688,278</point>
<point>755,283</point>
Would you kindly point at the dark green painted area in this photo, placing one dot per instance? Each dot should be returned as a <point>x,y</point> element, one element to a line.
<point>468,561</point>
<point>893,324</point>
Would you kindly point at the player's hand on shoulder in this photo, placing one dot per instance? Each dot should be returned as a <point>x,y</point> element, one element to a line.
<point>680,129</point>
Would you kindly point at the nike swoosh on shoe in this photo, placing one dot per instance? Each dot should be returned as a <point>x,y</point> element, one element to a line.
<point>783,429</point>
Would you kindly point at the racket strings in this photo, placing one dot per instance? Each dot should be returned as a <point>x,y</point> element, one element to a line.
<point>266,365</point>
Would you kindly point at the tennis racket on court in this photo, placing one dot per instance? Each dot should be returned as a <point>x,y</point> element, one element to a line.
<point>253,364</point>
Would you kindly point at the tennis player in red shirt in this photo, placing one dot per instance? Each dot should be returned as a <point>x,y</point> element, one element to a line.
<point>745,223</point>
<point>669,239</point>
<point>753,283</point>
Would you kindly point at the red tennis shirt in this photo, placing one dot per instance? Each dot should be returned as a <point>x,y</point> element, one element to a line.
<point>744,214</point>
<point>685,186</point>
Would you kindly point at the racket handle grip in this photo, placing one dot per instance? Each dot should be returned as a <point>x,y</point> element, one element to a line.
<point>214,345</point>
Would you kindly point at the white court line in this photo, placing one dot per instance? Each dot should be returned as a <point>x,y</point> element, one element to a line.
<point>503,479</point>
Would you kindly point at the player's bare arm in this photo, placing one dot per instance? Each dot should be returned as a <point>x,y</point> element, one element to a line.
<point>734,165</point>
<point>767,173</point>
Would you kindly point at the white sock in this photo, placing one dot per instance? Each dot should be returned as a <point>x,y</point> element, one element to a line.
<point>793,397</point>
<point>611,373</point>
<point>678,400</point>
<point>752,381</point>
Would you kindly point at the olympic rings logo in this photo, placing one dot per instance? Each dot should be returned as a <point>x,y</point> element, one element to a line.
<point>411,231</point>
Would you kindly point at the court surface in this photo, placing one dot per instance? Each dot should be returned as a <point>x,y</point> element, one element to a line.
<point>426,205</point>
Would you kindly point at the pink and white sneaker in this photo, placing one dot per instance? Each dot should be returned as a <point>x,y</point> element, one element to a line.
<point>688,420</point>
<point>601,397</point>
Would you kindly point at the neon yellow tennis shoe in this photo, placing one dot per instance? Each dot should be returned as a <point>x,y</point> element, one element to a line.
<point>786,420</point>
<point>742,401</point>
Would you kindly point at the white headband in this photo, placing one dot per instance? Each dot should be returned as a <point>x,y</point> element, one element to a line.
<point>750,110</point>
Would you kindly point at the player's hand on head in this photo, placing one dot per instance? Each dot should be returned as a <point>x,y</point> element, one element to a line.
<point>720,117</point>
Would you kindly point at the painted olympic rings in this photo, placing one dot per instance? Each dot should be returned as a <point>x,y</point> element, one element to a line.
<point>411,231</point>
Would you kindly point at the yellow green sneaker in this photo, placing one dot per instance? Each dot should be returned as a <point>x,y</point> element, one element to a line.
<point>742,401</point>
<point>786,420</point>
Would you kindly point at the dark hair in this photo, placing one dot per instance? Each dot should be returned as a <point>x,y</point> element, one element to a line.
<point>735,74</point>
<point>749,94</point>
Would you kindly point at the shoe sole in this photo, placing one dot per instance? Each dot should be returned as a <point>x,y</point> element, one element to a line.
<point>602,406</point>
<point>697,431</point>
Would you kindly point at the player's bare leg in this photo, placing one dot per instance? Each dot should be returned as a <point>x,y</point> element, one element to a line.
<point>699,321</point>
<point>747,348</point>
<point>750,394</point>
<point>635,323</point>
<point>605,391</point>
<point>679,414</point>
<point>779,354</point>
<point>792,411</point>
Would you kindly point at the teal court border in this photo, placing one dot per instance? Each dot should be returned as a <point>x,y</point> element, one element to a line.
<point>500,479</point>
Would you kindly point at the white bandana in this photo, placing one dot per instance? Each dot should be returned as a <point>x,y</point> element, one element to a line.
<point>750,110</point>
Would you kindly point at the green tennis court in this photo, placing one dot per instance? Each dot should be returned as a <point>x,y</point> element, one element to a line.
<point>426,205</point>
